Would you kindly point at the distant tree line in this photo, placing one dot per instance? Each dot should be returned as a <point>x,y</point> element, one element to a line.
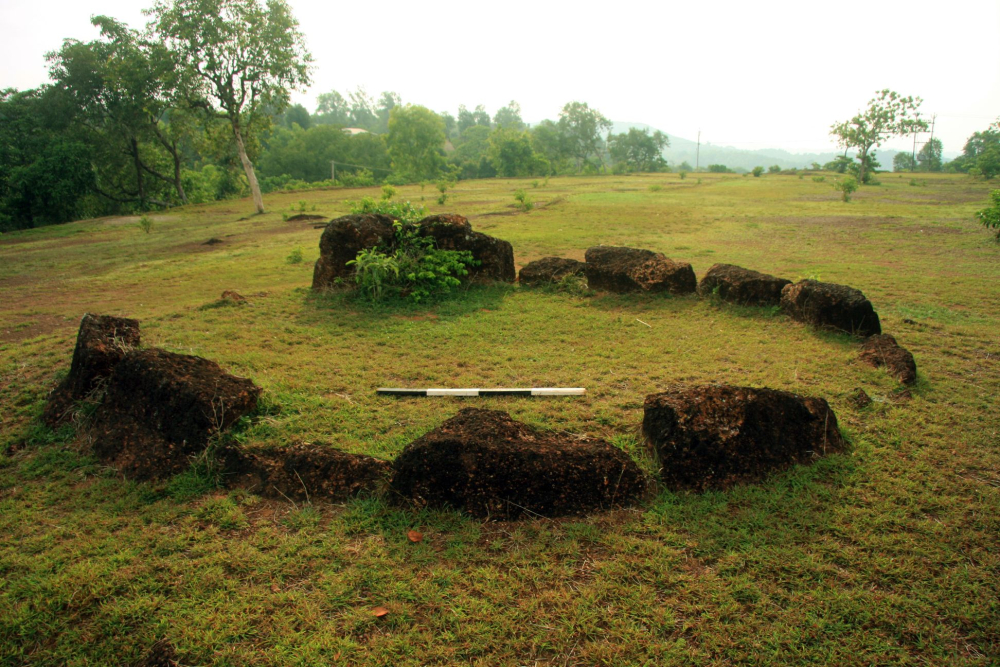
<point>195,108</point>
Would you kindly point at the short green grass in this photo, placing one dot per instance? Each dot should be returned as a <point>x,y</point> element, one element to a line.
<point>886,555</point>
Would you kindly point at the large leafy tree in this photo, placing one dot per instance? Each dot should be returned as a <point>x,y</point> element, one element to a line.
<point>582,129</point>
<point>930,155</point>
<point>241,59</point>
<point>638,150</point>
<point>45,170</point>
<point>387,101</point>
<point>550,141</point>
<point>122,90</point>
<point>982,151</point>
<point>467,119</point>
<point>362,111</point>
<point>509,117</point>
<point>470,157</point>
<point>903,162</point>
<point>416,142</point>
<point>888,114</point>
<point>511,154</point>
<point>332,108</point>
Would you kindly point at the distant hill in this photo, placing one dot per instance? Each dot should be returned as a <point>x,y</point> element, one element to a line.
<point>683,150</point>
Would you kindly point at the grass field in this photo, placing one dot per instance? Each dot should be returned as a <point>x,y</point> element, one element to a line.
<point>887,555</point>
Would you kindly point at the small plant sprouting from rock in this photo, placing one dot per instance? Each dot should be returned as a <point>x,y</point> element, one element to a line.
<point>846,187</point>
<point>990,216</point>
<point>295,257</point>
<point>403,211</point>
<point>146,224</point>
<point>524,202</point>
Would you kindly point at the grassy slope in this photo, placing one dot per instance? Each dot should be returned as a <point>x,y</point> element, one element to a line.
<point>888,555</point>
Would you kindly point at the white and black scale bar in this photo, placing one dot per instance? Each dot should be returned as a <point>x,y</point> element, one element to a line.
<point>531,391</point>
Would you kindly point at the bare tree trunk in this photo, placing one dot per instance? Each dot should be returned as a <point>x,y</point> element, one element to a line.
<point>171,147</point>
<point>258,200</point>
<point>177,174</point>
<point>138,174</point>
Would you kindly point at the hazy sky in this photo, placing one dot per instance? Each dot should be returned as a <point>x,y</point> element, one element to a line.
<point>748,74</point>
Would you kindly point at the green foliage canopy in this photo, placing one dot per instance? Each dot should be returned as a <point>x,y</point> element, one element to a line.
<point>638,150</point>
<point>888,114</point>
<point>416,141</point>
<point>240,58</point>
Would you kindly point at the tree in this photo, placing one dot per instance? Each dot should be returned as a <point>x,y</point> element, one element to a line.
<point>386,103</point>
<point>509,117</point>
<point>846,187</point>
<point>470,156</point>
<point>467,119</point>
<point>718,169</point>
<point>929,156</point>
<point>548,140</point>
<point>45,169</point>
<point>361,109</point>
<point>638,150</point>
<point>870,165</point>
<point>988,161</point>
<point>757,171</point>
<point>975,146</point>
<point>240,57</point>
<point>416,141</point>
<point>511,154</point>
<point>903,162</point>
<point>583,128</point>
<point>839,164</point>
<point>332,109</point>
<point>774,169</point>
<point>684,166</point>
<point>297,115</point>
<point>990,216</point>
<point>888,114</point>
<point>123,90</point>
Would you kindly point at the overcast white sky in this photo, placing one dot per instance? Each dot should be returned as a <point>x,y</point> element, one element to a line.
<point>751,74</point>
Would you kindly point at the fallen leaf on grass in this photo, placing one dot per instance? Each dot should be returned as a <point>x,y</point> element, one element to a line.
<point>414,536</point>
<point>379,612</point>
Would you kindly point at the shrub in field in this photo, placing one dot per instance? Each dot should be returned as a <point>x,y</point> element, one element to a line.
<point>684,175</point>
<point>524,202</point>
<point>145,224</point>
<point>819,179</point>
<point>757,171</point>
<point>774,169</point>
<point>846,187</point>
<point>990,216</point>
<point>416,269</point>
<point>294,257</point>
<point>388,192</point>
<point>655,187</point>
<point>403,211</point>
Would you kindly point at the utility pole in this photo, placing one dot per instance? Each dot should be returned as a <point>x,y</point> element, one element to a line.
<point>697,152</point>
